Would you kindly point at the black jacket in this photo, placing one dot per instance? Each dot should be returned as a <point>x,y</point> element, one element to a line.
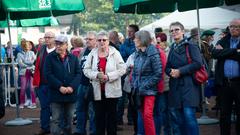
<point>223,54</point>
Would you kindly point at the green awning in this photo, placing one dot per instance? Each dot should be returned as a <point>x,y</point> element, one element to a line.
<point>160,6</point>
<point>26,9</point>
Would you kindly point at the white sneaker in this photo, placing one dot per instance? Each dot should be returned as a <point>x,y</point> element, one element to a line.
<point>27,103</point>
<point>21,106</point>
<point>32,106</point>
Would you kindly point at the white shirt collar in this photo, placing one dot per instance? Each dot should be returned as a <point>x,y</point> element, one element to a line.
<point>50,50</point>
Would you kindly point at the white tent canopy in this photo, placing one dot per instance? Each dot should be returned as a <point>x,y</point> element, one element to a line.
<point>209,18</point>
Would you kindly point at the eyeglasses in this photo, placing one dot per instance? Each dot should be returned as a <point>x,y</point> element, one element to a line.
<point>234,27</point>
<point>90,39</point>
<point>174,30</point>
<point>104,40</point>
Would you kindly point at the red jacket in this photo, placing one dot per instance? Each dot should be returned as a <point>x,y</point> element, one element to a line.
<point>39,60</point>
<point>163,58</point>
<point>36,75</point>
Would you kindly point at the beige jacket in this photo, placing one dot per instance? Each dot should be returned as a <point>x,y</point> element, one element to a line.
<point>115,68</point>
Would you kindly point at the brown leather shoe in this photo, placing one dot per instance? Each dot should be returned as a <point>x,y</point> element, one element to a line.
<point>42,132</point>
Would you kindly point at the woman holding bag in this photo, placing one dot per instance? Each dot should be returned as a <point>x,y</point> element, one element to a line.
<point>184,91</point>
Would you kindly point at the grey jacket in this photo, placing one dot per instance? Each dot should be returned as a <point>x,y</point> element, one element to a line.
<point>25,61</point>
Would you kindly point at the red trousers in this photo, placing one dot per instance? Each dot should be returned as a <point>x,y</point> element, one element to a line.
<point>147,115</point>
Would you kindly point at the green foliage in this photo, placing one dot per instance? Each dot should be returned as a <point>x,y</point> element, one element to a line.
<point>99,15</point>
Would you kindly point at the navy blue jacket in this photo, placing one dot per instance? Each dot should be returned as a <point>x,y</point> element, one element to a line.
<point>59,75</point>
<point>184,92</point>
<point>221,55</point>
<point>147,71</point>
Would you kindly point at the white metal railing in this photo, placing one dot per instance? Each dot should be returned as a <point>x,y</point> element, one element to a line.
<point>6,74</point>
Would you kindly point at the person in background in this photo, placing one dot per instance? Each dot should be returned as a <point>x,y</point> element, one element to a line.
<point>157,31</point>
<point>72,41</point>
<point>8,51</point>
<point>85,96</point>
<point>104,67</point>
<point>207,38</point>
<point>32,47</point>
<point>184,91</point>
<point>126,49</point>
<point>3,53</point>
<point>147,72</point>
<point>121,37</point>
<point>40,82</point>
<point>161,113</point>
<point>25,60</point>
<point>114,40</point>
<point>40,43</point>
<point>194,36</point>
<point>78,42</point>
<point>63,73</point>
<point>227,76</point>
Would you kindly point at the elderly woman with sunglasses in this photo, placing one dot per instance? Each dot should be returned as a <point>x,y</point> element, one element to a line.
<point>104,67</point>
<point>184,91</point>
<point>146,75</point>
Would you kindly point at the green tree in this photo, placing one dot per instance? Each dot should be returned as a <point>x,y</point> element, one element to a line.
<point>99,15</point>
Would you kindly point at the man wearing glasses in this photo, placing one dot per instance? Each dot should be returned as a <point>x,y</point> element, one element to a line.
<point>40,82</point>
<point>63,73</point>
<point>85,95</point>
<point>227,76</point>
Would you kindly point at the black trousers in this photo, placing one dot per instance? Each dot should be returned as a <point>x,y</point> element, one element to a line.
<point>106,116</point>
<point>229,94</point>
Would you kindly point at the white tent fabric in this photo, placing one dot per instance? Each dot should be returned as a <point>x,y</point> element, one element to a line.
<point>209,18</point>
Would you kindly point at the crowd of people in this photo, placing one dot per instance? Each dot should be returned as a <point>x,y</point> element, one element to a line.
<point>94,79</point>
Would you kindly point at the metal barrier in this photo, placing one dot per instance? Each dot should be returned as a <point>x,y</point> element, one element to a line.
<point>6,72</point>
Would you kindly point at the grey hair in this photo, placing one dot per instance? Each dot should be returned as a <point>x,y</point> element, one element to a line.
<point>92,33</point>
<point>177,24</point>
<point>103,33</point>
<point>144,37</point>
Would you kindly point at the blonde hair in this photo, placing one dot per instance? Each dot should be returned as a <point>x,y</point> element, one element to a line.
<point>79,42</point>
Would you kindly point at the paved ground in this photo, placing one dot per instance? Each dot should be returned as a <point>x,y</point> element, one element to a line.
<point>34,113</point>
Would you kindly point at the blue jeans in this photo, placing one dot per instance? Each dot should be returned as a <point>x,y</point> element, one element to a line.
<point>161,114</point>
<point>84,108</point>
<point>183,121</point>
<point>62,112</point>
<point>45,113</point>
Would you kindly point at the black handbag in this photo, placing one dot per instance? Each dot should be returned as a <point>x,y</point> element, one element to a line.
<point>89,96</point>
<point>136,98</point>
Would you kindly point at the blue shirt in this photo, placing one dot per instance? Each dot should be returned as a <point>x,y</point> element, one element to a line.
<point>231,67</point>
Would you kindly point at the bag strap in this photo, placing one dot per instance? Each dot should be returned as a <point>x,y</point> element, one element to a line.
<point>188,55</point>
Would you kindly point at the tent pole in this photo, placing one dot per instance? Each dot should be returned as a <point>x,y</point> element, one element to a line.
<point>17,121</point>
<point>204,119</point>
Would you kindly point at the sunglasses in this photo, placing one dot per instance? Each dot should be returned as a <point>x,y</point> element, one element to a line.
<point>174,30</point>
<point>57,43</point>
<point>104,40</point>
